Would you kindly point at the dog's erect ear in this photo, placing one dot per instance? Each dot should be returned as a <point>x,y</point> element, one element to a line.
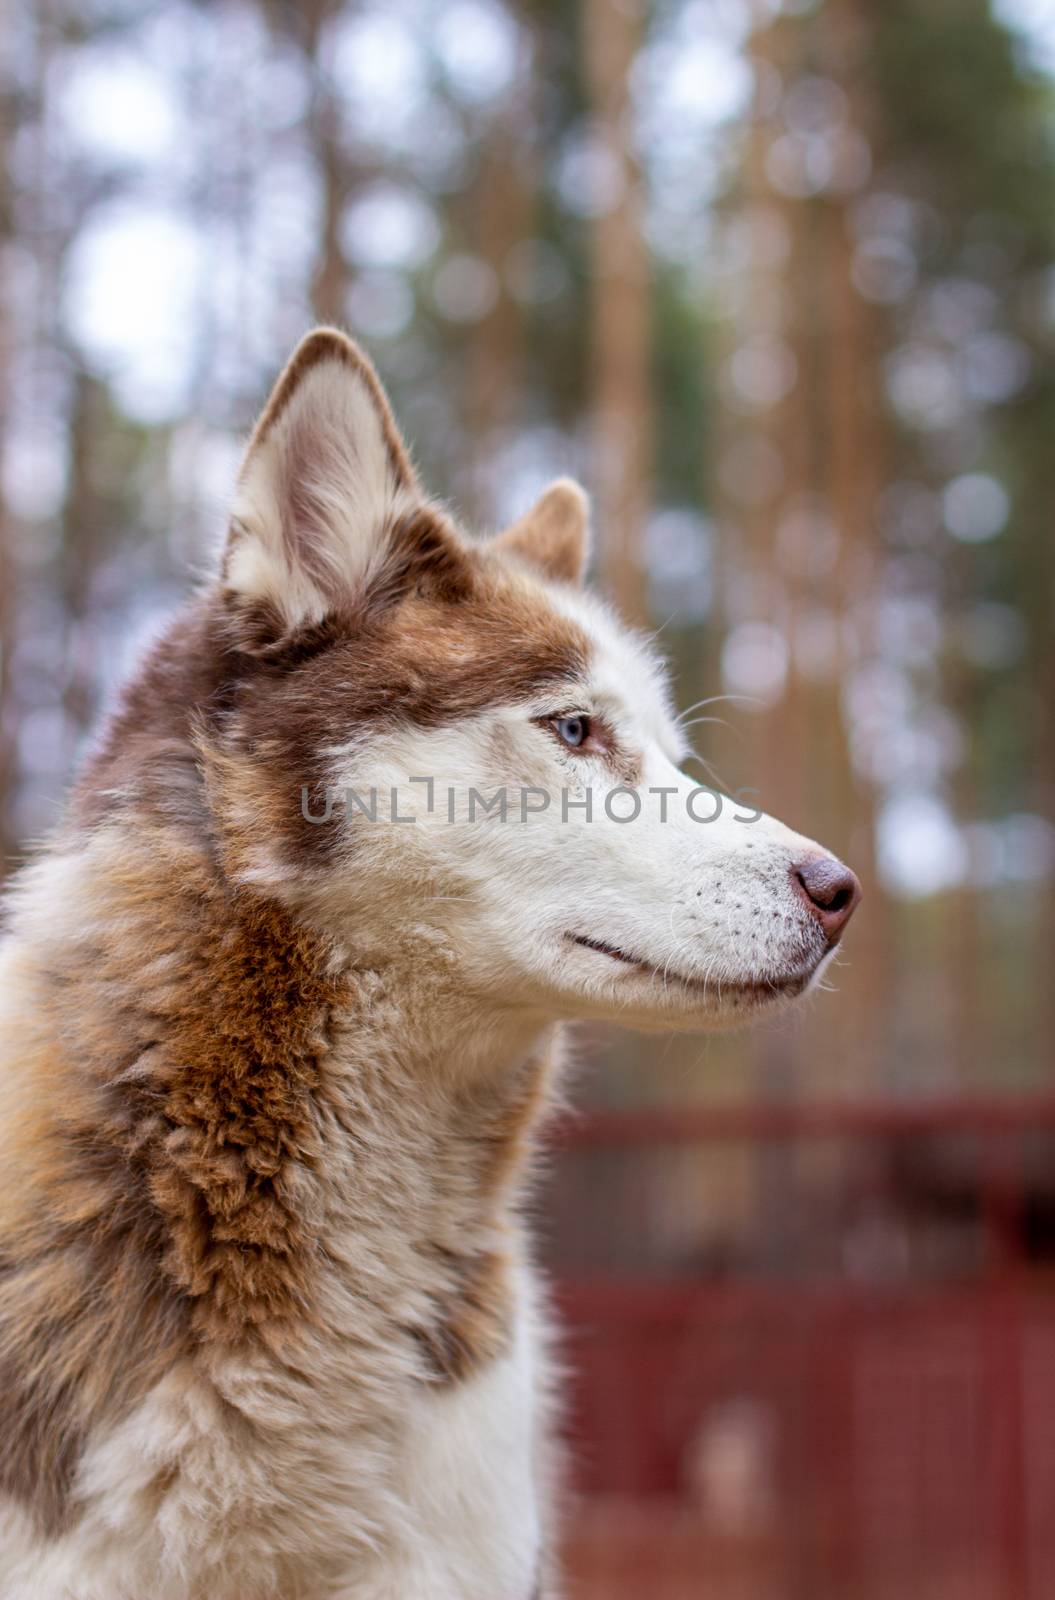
<point>327,499</point>
<point>554,536</point>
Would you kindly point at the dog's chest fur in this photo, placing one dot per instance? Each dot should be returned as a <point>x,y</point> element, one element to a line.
<point>331,1385</point>
<point>252,1480</point>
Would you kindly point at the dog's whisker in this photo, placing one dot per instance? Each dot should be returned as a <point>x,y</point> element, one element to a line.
<point>694,755</point>
<point>718,722</point>
<point>713,700</point>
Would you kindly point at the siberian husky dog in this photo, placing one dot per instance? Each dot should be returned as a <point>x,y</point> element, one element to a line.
<point>280,1015</point>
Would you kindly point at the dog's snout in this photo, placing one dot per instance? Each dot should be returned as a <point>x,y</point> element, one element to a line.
<point>829,889</point>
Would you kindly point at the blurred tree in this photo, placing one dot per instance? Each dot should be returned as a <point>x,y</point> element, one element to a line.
<point>307,30</point>
<point>887,387</point>
<point>849,360</point>
<point>621,298</point>
<point>501,214</point>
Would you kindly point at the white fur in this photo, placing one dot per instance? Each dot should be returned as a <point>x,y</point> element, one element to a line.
<point>452,1494</point>
<point>710,902</point>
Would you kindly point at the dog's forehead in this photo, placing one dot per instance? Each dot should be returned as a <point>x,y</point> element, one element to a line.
<point>624,671</point>
<point>511,640</point>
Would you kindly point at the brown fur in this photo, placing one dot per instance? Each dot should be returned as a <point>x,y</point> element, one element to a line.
<point>446,647</point>
<point>473,1325</point>
<point>177,1200</point>
<point>171,1200</point>
<point>166,1188</point>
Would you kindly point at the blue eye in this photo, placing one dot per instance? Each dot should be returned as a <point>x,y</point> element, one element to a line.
<point>574,731</point>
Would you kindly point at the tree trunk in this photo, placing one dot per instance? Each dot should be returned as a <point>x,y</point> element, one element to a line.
<point>622,312</point>
<point>503,203</point>
<point>306,25</point>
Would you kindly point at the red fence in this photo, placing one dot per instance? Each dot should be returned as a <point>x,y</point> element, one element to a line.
<point>812,1432</point>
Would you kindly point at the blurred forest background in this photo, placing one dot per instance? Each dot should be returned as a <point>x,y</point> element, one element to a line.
<point>775,280</point>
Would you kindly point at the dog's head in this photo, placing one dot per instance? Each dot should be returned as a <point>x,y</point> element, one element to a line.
<point>447,752</point>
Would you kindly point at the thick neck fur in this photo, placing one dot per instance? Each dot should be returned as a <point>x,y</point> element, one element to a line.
<point>238,1144</point>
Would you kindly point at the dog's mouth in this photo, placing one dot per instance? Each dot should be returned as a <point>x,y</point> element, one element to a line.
<point>787,984</point>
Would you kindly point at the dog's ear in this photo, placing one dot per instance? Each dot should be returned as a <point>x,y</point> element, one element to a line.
<point>554,536</point>
<point>328,511</point>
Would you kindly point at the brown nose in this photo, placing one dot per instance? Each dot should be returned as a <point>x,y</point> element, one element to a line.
<point>830,890</point>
